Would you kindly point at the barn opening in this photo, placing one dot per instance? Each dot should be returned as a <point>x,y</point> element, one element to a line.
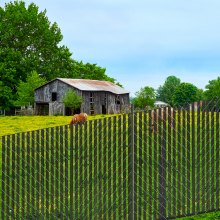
<point>42,109</point>
<point>54,96</point>
<point>104,109</point>
<point>118,103</point>
<point>68,111</point>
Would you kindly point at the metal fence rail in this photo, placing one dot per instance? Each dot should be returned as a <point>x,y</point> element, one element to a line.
<point>157,164</point>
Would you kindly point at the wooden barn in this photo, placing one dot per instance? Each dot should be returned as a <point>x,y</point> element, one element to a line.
<point>99,97</point>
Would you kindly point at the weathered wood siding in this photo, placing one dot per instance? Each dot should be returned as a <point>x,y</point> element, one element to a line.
<point>44,94</point>
<point>101,100</point>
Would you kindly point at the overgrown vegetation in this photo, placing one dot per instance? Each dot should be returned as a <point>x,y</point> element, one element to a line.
<point>72,100</point>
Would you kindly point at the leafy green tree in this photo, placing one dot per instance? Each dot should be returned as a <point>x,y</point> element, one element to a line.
<point>72,100</point>
<point>28,41</point>
<point>185,93</point>
<point>200,94</point>
<point>90,71</point>
<point>165,92</point>
<point>5,96</point>
<point>212,89</point>
<point>144,98</point>
<point>26,89</point>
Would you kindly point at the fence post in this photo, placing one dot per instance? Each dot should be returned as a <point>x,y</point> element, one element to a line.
<point>131,196</point>
<point>162,163</point>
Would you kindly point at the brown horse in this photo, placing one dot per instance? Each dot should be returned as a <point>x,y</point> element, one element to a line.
<point>78,118</point>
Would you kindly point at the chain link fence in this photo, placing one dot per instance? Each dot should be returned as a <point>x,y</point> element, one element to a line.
<point>157,164</point>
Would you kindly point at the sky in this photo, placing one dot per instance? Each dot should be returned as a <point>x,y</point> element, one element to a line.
<point>142,42</point>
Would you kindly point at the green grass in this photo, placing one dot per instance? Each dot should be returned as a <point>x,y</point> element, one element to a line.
<point>17,124</point>
<point>23,124</point>
<point>209,216</point>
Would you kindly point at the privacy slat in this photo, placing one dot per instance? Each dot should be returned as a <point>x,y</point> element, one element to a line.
<point>52,172</point>
<point>157,164</point>
<point>110,160</point>
<point>23,188</point>
<point>198,160</point>
<point>114,169</point>
<point>105,156</point>
<point>203,156</point>
<point>193,149</point>
<point>47,174</point>
<point>208,141</point>
<point>151,131</point>
<point>66,156</point>
<point>124,159</point>
<point>71,173</point>
<point>217,156</point>
<point>76,164</point>
<point>28,179</point>
<point>3,180</point>
<point>179,159</point>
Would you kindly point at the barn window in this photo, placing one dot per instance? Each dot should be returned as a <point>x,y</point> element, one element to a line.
<point>54,96</point>
<point>117,100</point>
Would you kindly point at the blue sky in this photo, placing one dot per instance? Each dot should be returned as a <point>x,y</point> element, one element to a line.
<point>142,42</point>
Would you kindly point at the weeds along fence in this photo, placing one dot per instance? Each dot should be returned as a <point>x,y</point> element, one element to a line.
<point>159,164</point>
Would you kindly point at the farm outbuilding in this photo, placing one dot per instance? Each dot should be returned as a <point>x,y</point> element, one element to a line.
<point>99,97</point>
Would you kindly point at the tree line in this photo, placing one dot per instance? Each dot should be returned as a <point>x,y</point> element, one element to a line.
<point>31,53</point>
<point>176,93</point>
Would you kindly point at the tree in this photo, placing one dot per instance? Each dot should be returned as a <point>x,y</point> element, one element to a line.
<point>90,71</point>
<point>28,41</point>
<point>165,92</point>
<point>26,89</point>
<point>200,94</point>
<point>5,96</point>
<point>72,100</point>
<point>145,97</point>
<point>185,93</point>
<point>212,89</point>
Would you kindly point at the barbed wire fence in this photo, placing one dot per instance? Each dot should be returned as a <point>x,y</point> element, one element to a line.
<point>156,164</point>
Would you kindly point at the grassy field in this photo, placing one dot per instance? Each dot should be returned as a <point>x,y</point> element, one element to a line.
<point>10,125</point>
<point>209,216</point>
<point>17,124</point>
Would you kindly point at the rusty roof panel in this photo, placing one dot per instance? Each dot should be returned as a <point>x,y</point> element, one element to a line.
<point>94,85</point>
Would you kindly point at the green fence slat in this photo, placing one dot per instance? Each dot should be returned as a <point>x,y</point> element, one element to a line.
<point>18,168</point>
<point>71,173</point>
<point>52,171</point>
<point>61,171</point>
<point>28,177</point>
<point>23,174</point>
<point>3,180</point>
<point>66,156</point>
<point>47,174</point>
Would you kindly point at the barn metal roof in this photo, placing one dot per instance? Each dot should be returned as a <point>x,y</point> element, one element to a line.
<point>91,85</point>
<point>94,85</point>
